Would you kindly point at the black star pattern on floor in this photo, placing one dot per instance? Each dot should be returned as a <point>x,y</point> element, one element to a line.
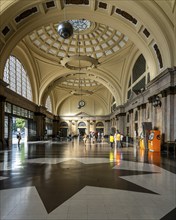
<point>56,183</point>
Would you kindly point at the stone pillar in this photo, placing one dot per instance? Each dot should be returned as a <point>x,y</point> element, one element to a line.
<point>55,125</point>
<point>3,85</point>
<point>94,125</point>
<point>88,126</point>
<point>2,117</point>
<point>121,122</point>
<point>141,117</point>
<point>70,127</point>
<point>9,130</point>
<point>76,127</point>
<point>131,124</point>
<point>40,122</point>
<point>107,127</point>
<point>170,117</point>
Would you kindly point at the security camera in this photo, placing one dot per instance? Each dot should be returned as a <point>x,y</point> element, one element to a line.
<point>65,30</point>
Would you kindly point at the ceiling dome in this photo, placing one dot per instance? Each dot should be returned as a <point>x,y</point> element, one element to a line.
<point>89,38</point>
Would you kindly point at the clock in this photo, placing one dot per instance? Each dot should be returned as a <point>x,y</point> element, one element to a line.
<point>82,103</point>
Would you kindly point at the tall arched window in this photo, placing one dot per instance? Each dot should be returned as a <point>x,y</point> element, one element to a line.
<point>139,77</point>
<point>17,78</point>
<point>48,104</point>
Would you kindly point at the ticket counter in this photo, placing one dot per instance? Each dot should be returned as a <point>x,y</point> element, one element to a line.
<point>154,142</point>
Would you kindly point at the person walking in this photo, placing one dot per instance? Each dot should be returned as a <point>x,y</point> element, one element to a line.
<point>85,139</point>
<point>118,139</point>
<point>111,140</point>
<point>19,138</point>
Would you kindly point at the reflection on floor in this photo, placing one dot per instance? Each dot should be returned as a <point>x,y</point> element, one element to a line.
<point>67,180</point>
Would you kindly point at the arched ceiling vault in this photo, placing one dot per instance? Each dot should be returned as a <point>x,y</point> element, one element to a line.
<point>95,77</point>
<point>125,28</point>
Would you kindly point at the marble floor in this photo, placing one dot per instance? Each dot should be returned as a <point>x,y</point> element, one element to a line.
<point>67,180</point>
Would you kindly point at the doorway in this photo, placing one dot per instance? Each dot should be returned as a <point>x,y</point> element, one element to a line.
<point>19,125</point>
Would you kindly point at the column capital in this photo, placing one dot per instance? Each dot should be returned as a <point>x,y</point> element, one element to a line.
<point>40,110</point>
<point>131,111</point>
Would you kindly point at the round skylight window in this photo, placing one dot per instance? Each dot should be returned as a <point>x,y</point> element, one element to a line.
<point>80,25</point>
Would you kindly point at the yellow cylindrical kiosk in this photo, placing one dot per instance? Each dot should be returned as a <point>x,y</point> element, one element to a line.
<point>154,142</point>
<point>141,141</point>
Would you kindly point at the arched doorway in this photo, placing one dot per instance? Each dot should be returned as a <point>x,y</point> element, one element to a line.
<point>81,128</point>
<point>63,129</point>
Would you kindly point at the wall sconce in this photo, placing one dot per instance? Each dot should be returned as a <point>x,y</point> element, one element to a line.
<point>156,101</point>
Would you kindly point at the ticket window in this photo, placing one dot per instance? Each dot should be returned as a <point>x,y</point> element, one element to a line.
<point>154,142</point>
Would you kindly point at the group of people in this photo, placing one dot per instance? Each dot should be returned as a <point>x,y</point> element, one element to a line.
<point>117,138</point>
<point>93,137</point>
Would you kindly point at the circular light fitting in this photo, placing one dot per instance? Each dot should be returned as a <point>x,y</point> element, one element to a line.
<point>79,62</point>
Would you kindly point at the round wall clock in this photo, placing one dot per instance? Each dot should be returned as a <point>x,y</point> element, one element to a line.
<point>82,103</point>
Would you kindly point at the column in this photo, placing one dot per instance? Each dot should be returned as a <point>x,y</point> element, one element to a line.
<point>40,122</point>
<point>55,125</point>
<point>170,115</point>
<point>121,122</point>
<point>131,124</point>
<point>76,127</point>
<point>2,117</point>
<point>3,86</point>
<point>88,126</point>
<point>70,127</point>
<point>107,127</point>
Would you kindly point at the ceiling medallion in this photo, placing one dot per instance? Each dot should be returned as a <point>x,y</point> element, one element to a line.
<point>79,62</point>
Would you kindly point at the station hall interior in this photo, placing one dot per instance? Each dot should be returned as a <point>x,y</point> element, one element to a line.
<point>72,74</point>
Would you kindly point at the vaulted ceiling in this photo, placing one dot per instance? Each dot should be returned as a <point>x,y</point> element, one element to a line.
<point>111,36</point>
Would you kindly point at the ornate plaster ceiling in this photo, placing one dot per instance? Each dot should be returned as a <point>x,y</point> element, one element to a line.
<point>29,30</point>
<point>97,41</point>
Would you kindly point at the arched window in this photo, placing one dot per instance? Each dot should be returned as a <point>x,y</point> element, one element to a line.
<point>139,77</point>
<point>63,124</point>
<point>81,124</point>
<point>139,67</point>
<point>48,104</point>
<point>17,78</point>
<point>99,124</point>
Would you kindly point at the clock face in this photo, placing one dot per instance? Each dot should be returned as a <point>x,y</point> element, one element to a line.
<point>82,103</point>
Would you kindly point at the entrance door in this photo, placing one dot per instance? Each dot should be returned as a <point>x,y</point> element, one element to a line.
<point>63,132</point>
<point>19,125</point>
<point>82,131</point>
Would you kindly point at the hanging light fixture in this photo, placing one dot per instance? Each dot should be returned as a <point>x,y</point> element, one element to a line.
<point>75,62</point>
<point>65,29</point>
<point>81,103</point>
